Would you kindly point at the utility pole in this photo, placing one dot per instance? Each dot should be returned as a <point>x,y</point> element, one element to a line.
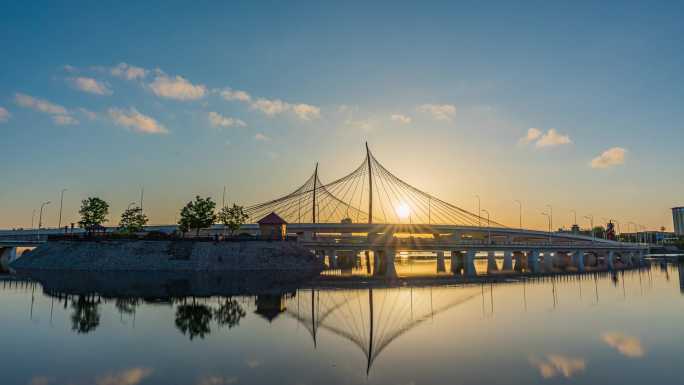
<point>223,198</point>
<point>479,212</point>
<point>313,211</point>
<point>142,193</point>
<point>61,203</point>
<point>519,214</point>
<point>370,185</point>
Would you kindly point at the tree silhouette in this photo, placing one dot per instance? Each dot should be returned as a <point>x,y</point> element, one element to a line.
<point>197,214</point>
<point>86,315</point>
<point>193,320</point>
<point>93,213</point>
<point>229,313</point>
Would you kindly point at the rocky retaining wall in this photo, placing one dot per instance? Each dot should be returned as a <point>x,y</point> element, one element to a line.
<point>193,256</point>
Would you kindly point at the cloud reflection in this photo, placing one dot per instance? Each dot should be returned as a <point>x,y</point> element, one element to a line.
<point>125,377</point>
<point>556,364</point>
<point>628,346</point>
<point>217,380</point>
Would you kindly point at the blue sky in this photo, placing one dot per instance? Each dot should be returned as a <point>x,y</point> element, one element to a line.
<point>104,98</point>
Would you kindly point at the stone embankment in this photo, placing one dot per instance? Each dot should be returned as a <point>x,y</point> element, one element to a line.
<point>169,256</point>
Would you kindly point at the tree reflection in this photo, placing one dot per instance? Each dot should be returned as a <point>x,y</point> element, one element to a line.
<point>126,305</point>
<point>86,315</point>
<point>194,320</point>
<point>229,313</point>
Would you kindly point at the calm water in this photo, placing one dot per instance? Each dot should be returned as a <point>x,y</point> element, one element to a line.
<point>593,329</point>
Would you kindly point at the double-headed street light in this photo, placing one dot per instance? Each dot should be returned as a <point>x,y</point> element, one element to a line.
<point>548,216</point>
<point>61,203</point>
<point>40,217</point>
<point>489,227</point>
<point>591,223</point>
<point>519,213</point>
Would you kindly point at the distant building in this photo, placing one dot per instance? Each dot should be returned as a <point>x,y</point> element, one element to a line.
<point>272,227</point>
<point>678,220</point>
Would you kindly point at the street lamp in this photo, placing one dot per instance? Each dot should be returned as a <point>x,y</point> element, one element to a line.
<point>591,223</point>
<point>40,218</point>
<point>61,203</point>
<point>635,230</point>
<point>33,216</point>
<point>519,213</point>
<point>489,228</point>
<point>574,215</point>
<point>129,205</point>
<point>479,224</point>
<point>548,216</point>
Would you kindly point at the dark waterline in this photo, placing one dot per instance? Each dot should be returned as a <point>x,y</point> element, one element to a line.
<point>591,328</point>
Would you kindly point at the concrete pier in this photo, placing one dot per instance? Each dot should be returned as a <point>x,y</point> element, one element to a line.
<point>390,268</point>
<point>533,261</point>
<point>457,263</point>
<point>508,261</point>
<point>470,263</point>
<point>491,263</point>
<point>579,260</point>
<point>441,266</point>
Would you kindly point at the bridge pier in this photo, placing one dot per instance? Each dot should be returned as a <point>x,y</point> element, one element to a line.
<point>332,258</point>
<point>609,260</point>
<point>533,261</point>
<point>7,256</point>
<point>390,269</point>
<point>470,263</point>
<point>441,266</point>
<point>508,261</point>
<point>518,259</point>
<point>579,260</point>
<point>491,263</point>
<point>457,265</point>
<point>548,261</point>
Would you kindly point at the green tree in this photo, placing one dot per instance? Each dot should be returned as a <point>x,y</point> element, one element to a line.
<point>197,214</point>
<point>93,212</point>
<point>132,220</point>
<point>599,232</point>
<point>232,217</point>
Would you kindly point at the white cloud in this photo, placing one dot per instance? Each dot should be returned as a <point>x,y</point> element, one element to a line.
<point>552,138</point>
<point>444,112</point>
<point>69,68</point>
<point>611,157</point>
<point>403,119</point>
<point>218,120</point>
<point>90,85</point>
<point>177,88</point>
<point>541,139</point>
<point>39,105</point>
<point>270,107</point>
<point>128,72</point>
<point>131,118</point>
<point>125,377</point>
<point>231,95</point>
<point>261,137</point>
<point>87,113</point>
<point>628,346</point>
<point>556,364</point>
<point>365,125</point>
<point>4,115</point>
<point>59,114</point>
<point>64,120</point>
<point>307,111</point>
<point>532,135</point>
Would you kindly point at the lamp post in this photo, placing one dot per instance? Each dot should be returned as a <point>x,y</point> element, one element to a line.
<point>635,230</point>
<point>618,228</point>
<point>61,203</point>
<point>40,217</point>
<point>489,228</point>
<point>33,216</point>
<point>129,205</point>
<point>519,213</point>
<point>574,216</point>
<point>591,223</point>
<point>548,216</point>
<point>479,211</point>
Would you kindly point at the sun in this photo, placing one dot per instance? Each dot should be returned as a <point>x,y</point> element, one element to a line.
<point>403,210</point>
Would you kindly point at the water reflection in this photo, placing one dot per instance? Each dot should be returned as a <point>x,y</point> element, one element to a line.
<point>206,330</point>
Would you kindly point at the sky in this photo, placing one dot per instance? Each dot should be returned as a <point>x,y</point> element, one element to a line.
<point>575,105</point>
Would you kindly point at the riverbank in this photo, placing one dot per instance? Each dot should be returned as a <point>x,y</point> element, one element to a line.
<point>169,256</point>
